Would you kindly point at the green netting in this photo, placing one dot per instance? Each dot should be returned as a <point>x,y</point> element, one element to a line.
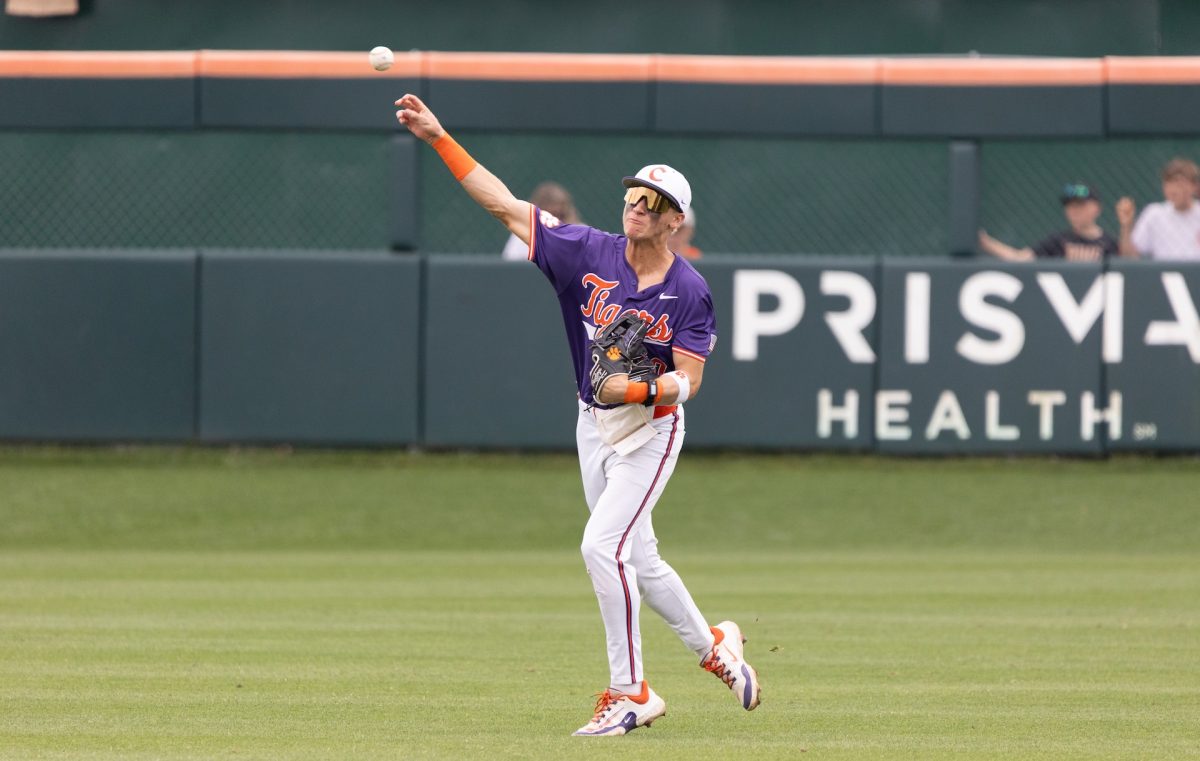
<point>270,189</point>
<point>177,189</point>
<point>1022,180</point>
<point>750,195</point>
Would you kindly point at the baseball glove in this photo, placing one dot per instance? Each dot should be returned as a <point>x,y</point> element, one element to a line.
<point>618,350</point>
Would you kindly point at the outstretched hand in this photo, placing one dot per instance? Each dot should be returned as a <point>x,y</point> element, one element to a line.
<point>418,118</point>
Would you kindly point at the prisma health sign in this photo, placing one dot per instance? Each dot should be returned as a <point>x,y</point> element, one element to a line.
<point>993,359</point>
<point>974,356</point>
<point>789,329</point>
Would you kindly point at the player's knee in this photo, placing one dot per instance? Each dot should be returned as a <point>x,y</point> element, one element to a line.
<point>588,548</point>
<point>595,551</point>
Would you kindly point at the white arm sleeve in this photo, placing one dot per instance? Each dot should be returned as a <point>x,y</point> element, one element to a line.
<point>685,386</point>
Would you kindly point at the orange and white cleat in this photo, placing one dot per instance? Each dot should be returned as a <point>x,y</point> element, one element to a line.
<point>727,661</point>
<point>619,714</point>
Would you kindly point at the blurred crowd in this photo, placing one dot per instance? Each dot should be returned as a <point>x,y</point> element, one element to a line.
<point>1167,230</point>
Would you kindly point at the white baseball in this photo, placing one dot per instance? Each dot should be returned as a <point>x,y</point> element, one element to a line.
<point>382,58</point>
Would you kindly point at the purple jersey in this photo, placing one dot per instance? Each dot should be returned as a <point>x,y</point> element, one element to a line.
<point>595,284</point>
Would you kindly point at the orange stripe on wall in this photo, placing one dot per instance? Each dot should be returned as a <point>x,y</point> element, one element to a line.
<point>582,67</point>
<point>1152,70</point>
<point>992,72</point>
<point>766,70</point>
<point>48,64</point>
<point>597,67</point>
<point>296,64</point>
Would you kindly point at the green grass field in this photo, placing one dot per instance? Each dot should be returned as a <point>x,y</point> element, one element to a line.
<point>178,603</point>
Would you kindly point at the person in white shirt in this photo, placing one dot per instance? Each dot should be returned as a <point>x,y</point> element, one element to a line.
<point>547,196</point>
<point>1168,230</point>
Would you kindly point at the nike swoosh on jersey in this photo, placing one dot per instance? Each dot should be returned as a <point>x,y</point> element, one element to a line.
<point>665,296</point>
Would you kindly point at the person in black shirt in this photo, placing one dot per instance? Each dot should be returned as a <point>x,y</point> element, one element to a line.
<point>1085,241</point>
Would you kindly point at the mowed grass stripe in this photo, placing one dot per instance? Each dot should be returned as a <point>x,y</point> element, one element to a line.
<point>446,655</point>
<point>260,499</point>
<point>398,605</point>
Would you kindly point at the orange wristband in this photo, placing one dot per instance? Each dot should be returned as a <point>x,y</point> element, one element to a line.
<point>647,393</point>
<point>637,392</point>
<point>457,159</point>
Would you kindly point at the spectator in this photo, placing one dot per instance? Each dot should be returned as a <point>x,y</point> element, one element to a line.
<point>547,196</point>
<point>1085,241</point>
<point>681,240</point>
<point>1170,229</point>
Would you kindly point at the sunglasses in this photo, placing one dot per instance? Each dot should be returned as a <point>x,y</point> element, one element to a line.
<point>656,203</point>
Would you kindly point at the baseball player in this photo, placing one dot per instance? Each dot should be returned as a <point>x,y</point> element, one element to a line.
<point>631,426</point>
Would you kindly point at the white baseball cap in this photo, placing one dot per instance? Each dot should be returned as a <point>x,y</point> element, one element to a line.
<point>665,180</point>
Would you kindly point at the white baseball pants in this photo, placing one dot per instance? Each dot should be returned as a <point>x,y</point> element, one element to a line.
<point>620,549</point>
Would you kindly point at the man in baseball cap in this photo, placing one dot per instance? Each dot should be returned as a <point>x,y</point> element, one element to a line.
<point>670,186</point>
<point>1083,240</point>
<point>631,426</point>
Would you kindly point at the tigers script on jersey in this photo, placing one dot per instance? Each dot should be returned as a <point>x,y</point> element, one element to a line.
<point>595,284</point>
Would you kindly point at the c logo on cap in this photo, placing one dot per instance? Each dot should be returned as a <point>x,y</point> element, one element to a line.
<point>656,173</point>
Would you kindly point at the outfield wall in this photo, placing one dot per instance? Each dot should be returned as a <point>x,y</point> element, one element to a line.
<point>955,97</point>
<point>334,348</point>
<point>863,156</point>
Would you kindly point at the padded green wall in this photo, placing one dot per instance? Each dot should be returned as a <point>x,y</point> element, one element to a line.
<point>302,346</point>
<point>97,345</point>
<point>344,348</point>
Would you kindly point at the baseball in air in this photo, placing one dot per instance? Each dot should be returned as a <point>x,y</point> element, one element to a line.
<point>382,58</point>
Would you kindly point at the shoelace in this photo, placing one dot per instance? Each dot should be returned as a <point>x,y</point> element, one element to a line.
<point>714,665</point>
<point>604,700</point>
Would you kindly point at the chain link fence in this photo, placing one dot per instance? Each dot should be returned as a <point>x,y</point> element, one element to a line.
<point>1023,180</point>
<point>193,189</point>
<point>331,190</point>
<point>768,196</point>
